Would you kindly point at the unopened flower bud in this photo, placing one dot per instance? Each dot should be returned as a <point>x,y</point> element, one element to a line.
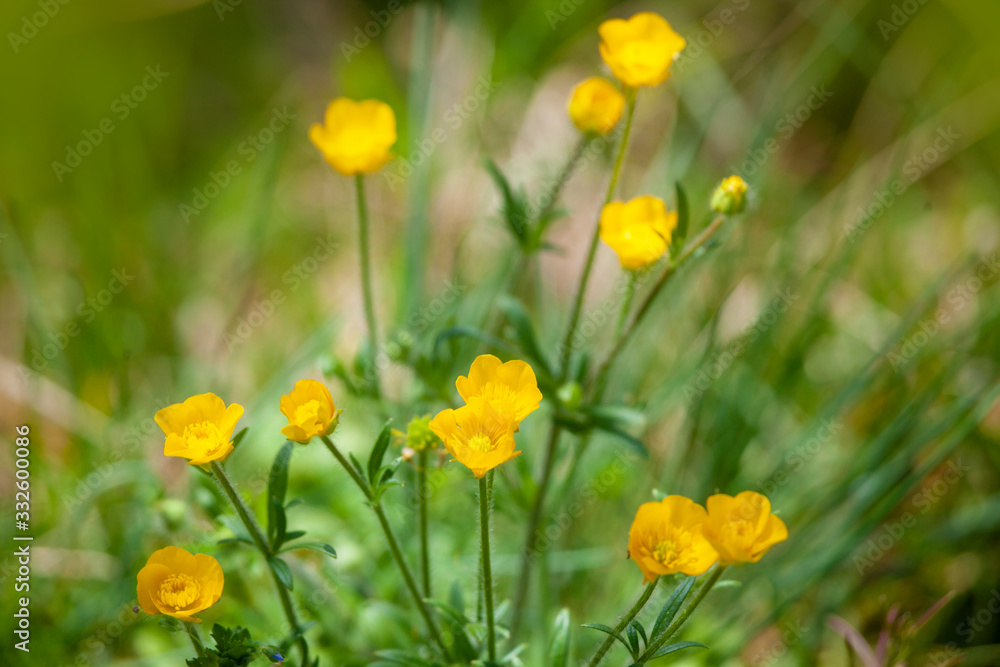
<point>730,197</point>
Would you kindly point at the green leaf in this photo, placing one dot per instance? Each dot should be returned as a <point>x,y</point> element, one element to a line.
<point>672,606</point>
<point>277,487</point>
<point>671,648</point>
<point>459,625</point>
<point>238,438</point>
<point>683,220</point>
<point>233,648</point>
<point>293,502</point>
<point>397,657</point>
<point>515,313</point>
<point>559,648</point>
<point>515,210</point>
<point>633,639</point>
<point>321,547</point>
<point>642,631</point>
<point>357,464</point>
<point>610,631</point>
<point>378,451</point>
<point>294,535</point>
<point>281,569</point>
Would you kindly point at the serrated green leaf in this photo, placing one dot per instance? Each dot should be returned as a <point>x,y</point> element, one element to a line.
<point>559,648</point>
<point>283,572</point>
<point>378,452</point>
<point>672,606</point>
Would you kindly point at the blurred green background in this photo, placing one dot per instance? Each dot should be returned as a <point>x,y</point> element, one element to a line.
<point>167,229</point>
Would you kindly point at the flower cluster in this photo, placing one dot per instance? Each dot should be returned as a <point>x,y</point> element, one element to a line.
<point>679,535</point>
<point>480,434</point>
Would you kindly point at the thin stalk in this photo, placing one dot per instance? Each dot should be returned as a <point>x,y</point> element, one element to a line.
<point>528,553</point>
<point>485,503</point>
<point>192,632</point>
<point>623,623</point>
<point>668,273</point>
<point>681,618</point>
<point>563,178</point>
<point>390,537</point>
<point>260,540</point>
<point>581,290</point>
<point>626,304</point>
<point>364,250</point>
<point>425,560</point>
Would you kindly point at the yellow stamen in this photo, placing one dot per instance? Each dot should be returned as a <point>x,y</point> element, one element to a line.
<point>178,591</point>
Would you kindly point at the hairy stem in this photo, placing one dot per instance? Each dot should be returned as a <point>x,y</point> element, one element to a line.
<point>260,540</point>
<point>485,504</point>
<point>681,618</point>
<point>623,623</point>
<point>364,250</point>
<point>425,560</point>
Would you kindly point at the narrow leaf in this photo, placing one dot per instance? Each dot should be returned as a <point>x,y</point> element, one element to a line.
<point>378,451</point>
<point>277,487</point>
<point>683,219</point>
<point>281,569</point>
<point>607,630</point>
<point>321,547</point>
<point>671,648</point>
<point>672,606</point>
<point>559,648</point>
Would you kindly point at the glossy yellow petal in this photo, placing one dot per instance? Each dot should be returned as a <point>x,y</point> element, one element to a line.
<point>179,584</point>
<point>641,50</point>
<point>596,106</point>
<point>639,231</point>
<point>356,136</point>
<point>667,538</point>
<point>742,528</point>
<point>310,411</point>
<point>509,388</point>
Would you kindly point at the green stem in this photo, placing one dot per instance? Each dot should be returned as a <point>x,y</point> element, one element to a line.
<point>626,304</point>
<point>260,540</point>
<point>605,366</point>
<point>366,278</point>
<point>528,553</point>
<point>563,178</point>
<point>581,290</point>
<point>681,618</point>
<point>623,623</point>
<point>192,632</point>
<point>485,503</point>
<point>390,537</point>
<point>425,560</point>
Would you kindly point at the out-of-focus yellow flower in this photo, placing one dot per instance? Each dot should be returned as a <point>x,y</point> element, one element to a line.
<point>419,436</point>
<point>730,197</point>
<point>477,435</point>
<point>641,50</point>
<point>509,388</point>
<point>638,230</point>
<point>742,528</point>
<point>179,584</point>
<point>200,429</point>
<point>666,538</point>
<point>310,411</point>
<point>356,136</point>
<point>596,106</point>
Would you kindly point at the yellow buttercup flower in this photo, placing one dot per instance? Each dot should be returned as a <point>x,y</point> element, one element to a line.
<point>509,388</point>
<point>666,538</point>
<point>179,584</point>
<point>730,197</point>
<point>476,435</point>
<point>641,50</point>
<point>742,528</point>
<point>356,136</point>
<point>638,230</point>
<point>200,429</point>
<point>596,106</point>
<point>310,411</point>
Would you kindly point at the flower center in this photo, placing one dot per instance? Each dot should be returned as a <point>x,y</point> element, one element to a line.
<point>178,591</point>
<point>665,551</point>
<point>204,437</point>
<point>670,548</point>
<point>481,442</point>
<point>501,397</point>
<point>308,412</point>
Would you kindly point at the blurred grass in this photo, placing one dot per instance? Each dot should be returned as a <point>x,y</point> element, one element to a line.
<point>857,301</point>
